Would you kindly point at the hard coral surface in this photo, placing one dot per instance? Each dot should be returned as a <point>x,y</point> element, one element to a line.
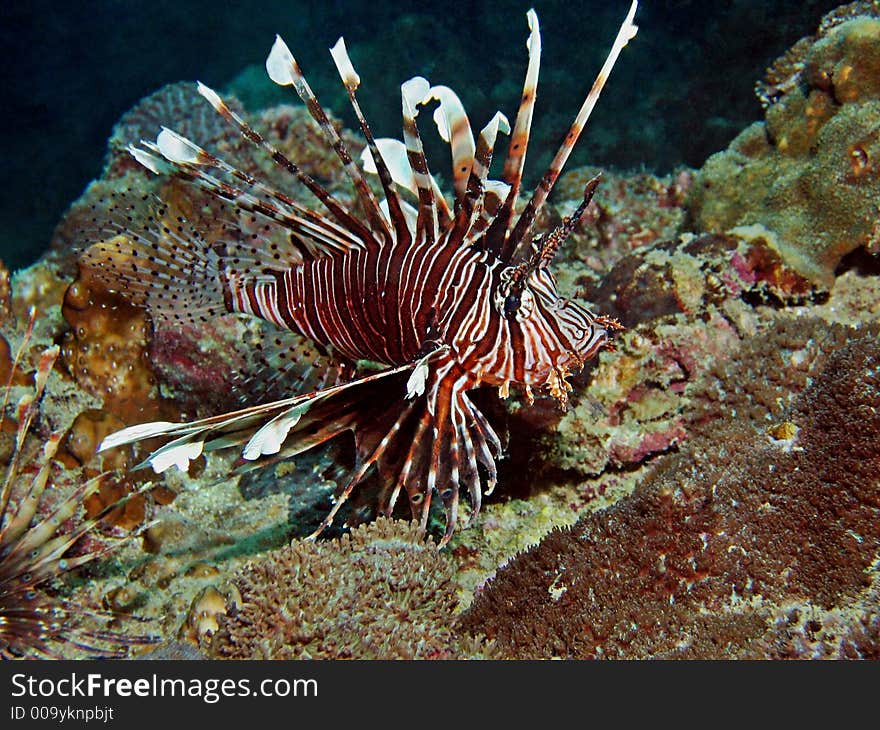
<point>381,592</point>
<point>731,548</point>
<point>808,174</point>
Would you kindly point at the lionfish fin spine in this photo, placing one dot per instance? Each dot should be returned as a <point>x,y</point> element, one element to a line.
<point>27,406</point>
<point>424,185</point>
<point>626,33</point>
<point>285,71</point>
<point>476,186</point>
<point>260,430</point>
<point>318,234</point>
<point>455,128</point>
<point>351,81</point>
<point>44,559</point>
<point>153,163</point>
<point>336,209</point>
<point>497,234</point>
<point>360,471</point>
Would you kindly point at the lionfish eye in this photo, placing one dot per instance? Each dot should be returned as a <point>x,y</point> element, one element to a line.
<point>512,304</point>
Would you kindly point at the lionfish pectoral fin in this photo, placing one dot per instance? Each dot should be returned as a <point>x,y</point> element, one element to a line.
<point>279,362</point>
<point>190,439</point>
<point>260,430</point>
<point>437,444</point>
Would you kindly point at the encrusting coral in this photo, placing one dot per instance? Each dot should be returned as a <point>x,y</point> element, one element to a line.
<point>380,592</point>
<point>735,547</point>
<point>807,176</point>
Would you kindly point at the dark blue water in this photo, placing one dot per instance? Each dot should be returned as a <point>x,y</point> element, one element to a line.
<point>681,91</point>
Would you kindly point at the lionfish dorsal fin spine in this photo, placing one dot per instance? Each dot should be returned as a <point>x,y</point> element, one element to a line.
<point>351,81</point>
<point>494,194</point>
<point>455,128</point>
<point>154,163</point>
<point>496,236</point>
<point>411,93</point>
<point>626,33</point>
<point>498,124</point>
<point>475,202</point>
<point>315,234</point>
<point>336,209</point>
<point>285,71</point>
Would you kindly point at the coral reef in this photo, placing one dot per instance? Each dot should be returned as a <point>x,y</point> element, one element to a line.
<point>807,175</point>
<point>628,212</point>
<point>106,350</point>
<point>381,592</point>
<point>728,549</point>
<point>709,492</point>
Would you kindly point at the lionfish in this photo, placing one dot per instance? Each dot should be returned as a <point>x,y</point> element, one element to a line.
<point>445,297</point>
<point>36,541</point>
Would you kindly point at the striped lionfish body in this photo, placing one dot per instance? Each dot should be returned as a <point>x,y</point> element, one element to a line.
<point>446,298</point>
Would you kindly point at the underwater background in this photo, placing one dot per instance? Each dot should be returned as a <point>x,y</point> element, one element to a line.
<point>711,490</point>
<point>72,69</point>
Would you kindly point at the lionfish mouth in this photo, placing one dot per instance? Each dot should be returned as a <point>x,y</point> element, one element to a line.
<point>374,281</point>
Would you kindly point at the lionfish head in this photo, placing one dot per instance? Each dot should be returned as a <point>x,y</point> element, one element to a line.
<point>559,333</point>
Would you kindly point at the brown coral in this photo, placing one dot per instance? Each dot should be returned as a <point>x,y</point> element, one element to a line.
<point>106,350</point>
<point>725,548</point>
<point>808,174</point>
<point>382,592</point>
